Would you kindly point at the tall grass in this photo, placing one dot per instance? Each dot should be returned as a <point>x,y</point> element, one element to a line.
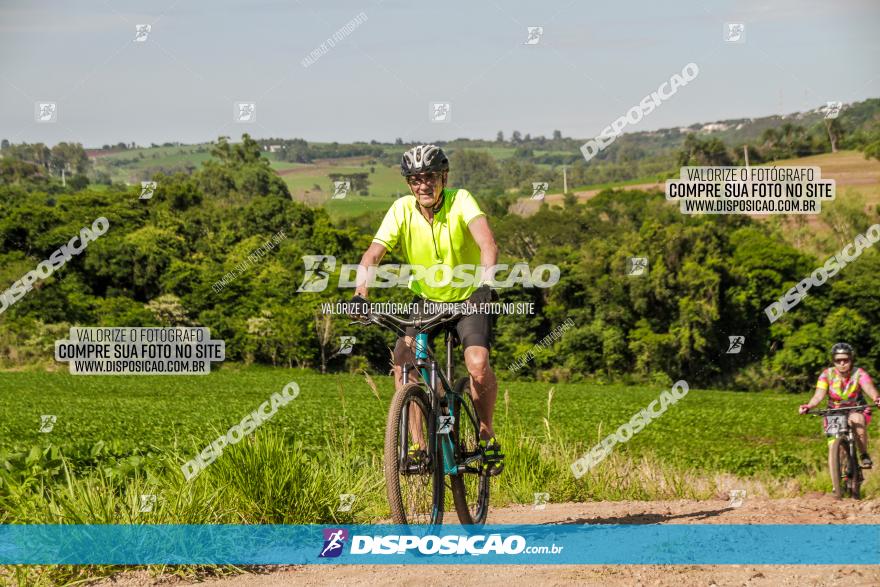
<point>271,478</point>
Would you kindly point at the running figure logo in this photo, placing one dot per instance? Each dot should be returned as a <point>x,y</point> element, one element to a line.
<point>141,32</point>
<point>245,112</point>
<point>46,111</point>
<point>539,189</point>
<point>541,500</point>
<point>440,112</point>
<point>736,344</point>
<point>47,423</point>
<point>832,109</point>
<point>636,266</point>
<point>535,34</point>
<point>346,344</point>
<point>340,189</point>
<point>147,189</point>
<point>737,496</point>
<point>318,268</point>
<point>734,32</point>
<point>334,540</point>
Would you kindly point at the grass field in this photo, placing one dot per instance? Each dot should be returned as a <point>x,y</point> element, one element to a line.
<point>117,440</point>
<point>301,179</point>
<point>133,430</point>
<point>138,160</point>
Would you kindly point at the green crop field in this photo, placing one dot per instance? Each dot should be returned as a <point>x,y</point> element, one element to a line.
<point>710,430</point>
<point>386,184</point>
<point>117,437</point>
<point>128,165</point>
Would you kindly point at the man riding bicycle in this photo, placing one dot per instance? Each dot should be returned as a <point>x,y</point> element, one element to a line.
<point>437,225</point>
<point>844,387</point>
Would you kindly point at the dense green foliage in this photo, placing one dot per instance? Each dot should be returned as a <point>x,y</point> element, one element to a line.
<point>162,259</point>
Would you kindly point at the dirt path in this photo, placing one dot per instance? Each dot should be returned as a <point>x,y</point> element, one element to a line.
<point>811,509</point>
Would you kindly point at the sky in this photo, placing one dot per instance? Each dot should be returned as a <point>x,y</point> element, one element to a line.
<point>592,62</point>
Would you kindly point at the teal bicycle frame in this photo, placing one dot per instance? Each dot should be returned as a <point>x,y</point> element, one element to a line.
<point>444,447</point>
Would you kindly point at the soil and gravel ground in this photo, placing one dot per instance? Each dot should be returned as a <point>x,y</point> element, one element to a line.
<point>810,509</point>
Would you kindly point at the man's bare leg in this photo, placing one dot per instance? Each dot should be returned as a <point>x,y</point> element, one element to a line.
<point>484,387</point>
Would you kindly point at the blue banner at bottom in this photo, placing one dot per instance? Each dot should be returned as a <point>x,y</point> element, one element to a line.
<point>384,544</point>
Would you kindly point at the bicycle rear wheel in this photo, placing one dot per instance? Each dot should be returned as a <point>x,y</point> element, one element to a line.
<point>470,489</point>
<point>413,475</point>
<point>838,460</point>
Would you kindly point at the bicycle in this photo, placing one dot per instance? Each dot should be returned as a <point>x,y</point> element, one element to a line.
<point>843,464</point>
<point>432,433</point>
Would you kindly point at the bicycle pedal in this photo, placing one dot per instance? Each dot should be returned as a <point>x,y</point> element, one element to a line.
<point>495,471</point>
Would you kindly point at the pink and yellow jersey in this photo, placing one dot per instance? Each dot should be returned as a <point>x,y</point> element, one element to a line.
<point>843,392</point>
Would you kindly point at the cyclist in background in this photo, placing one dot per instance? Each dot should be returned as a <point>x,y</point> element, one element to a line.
<point>844,386</point>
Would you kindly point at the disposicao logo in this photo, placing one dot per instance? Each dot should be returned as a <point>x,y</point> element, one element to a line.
<point>334,540</point>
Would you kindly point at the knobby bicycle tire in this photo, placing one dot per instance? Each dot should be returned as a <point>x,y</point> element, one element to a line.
<point>838,459</point>
<point>470,491</point>
<point>404,510</point>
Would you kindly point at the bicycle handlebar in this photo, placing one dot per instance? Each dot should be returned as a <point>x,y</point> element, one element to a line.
<point>837,410</point>
<point>418,323</point>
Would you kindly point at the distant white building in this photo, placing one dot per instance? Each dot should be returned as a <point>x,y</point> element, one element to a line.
<point>273,148</point>
<point>714,127</point>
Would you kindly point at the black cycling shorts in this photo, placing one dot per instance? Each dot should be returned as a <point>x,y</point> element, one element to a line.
<point>472,329</point>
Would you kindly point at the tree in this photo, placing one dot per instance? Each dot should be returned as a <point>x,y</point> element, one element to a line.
<point>788,141</point>
<point>835,132</point>
<point>557,135</point>
<point>168,311</point>
<point>516,137</point>
<point>324,330</point>
<point>69,156</point>
<point>240,170</point>
<point>474,170</point>
<point>703,152</point>
<point>499,138</point>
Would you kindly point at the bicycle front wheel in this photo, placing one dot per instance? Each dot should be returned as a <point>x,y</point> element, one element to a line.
<point>470,488</point>
<point>838,460</point>
<point>855,476</point>
<point>413,473</point>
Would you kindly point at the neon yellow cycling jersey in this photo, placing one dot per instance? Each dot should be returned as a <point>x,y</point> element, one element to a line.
<point>447,241</point>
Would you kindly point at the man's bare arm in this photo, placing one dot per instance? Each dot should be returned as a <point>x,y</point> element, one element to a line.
<point>371,258</point>
<point>481,232</point>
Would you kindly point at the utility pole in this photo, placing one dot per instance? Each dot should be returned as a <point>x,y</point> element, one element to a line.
<point>564,181</point>
<point>746,154</point>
